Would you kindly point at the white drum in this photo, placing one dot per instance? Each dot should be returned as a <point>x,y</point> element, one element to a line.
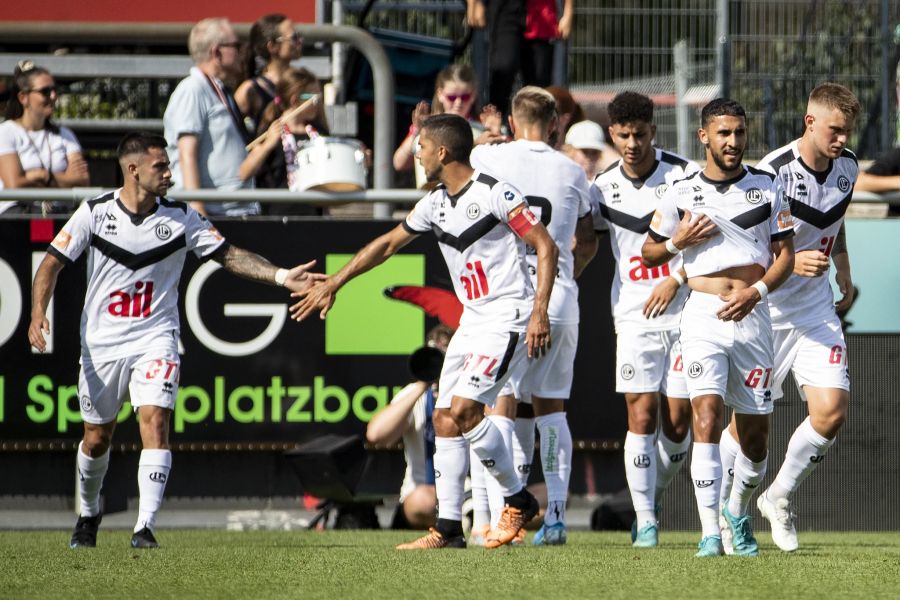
<point>330,164</point>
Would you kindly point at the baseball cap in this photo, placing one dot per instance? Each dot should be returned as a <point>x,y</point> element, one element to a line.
<point>586,135</point>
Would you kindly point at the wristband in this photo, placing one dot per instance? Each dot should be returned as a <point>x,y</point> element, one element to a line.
<point>676,275</point>
<point>281,277</point>
<point>671,247</point>
<point>762,288</point>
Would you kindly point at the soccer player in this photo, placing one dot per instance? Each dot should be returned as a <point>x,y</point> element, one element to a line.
<point>646,309</point>
<point>136,240</point>
<point>563,204</point>
<point>482,226</point>
<point>818,174</point>
<point>730,220</point>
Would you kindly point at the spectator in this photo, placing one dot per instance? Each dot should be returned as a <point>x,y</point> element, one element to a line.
<point>570,112</point>
<point>585,145</point>
<point>273,45</point>
<point>203,123</point>
<point>881,177</point>
<point>34,151</point>
<point>541,28</point>
<point>272,161</point>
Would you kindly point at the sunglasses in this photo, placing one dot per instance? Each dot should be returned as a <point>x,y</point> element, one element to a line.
<point>461,97</point>
<point>45,91</point>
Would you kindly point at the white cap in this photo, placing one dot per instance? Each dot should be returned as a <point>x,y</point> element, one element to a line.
<point>586,135</point>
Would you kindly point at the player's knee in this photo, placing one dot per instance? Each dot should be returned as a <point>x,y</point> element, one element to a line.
<point>96,442</point>
<point>466,415</point>
<point>707,419</point>
<point>444,425</point>
<point>155,429</point>
<point>641,421</point>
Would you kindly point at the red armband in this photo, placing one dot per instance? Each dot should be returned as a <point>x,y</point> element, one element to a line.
<point>523,220</point>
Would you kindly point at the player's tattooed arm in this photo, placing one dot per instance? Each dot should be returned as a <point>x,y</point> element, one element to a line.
<point>840,243</point>
<point>250,265</point>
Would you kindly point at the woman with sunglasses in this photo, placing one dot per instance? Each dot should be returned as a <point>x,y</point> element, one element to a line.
<point>271,162</point>
<point>273,45</point>
<point>34,151</point>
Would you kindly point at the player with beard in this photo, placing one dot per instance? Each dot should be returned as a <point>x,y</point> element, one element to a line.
<point>734,228</point>
<point>482,226</point>
<point>646,310</point>
<point>818,174</point>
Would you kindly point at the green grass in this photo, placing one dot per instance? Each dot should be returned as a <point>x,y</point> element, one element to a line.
<point>342,565</point>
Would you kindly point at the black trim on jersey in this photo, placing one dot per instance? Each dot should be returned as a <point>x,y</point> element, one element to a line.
<point>820,176</point>
<point>722,186</point>
<point>486,180</point>
<point>672,159</point>
<point>816,217</point>
<point>409,229</point>
<point>510,350</point>
<point>755,171</point>
<point>454,198</point>
<point>218,253</point>
<point>626,221</point>
<point>142,259</point>
<point>468,237</point>
<point>182,206</point>
<point>785,158</point>
<point>101,199</point>
<point>609,168</point>
<point>62,257</point>
<point>686,177</point>
<point>137,219</point>
<point>638,182</point>
<point>656,237</point>
<point>849,154</point>
<point>754,216</point>
<point>782,235</point>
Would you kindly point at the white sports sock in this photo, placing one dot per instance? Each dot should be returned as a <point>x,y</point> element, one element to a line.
<point>481,510</point>
<point>804,453</point>
<point>747,477</point>
<point>523,447</point>
<point>640,472</point>
<point>153,473</point>
<point>706,471</point>
<point>729,448</point>
<point>495,494</point>
<point>556,460</point>
<point>91,472</point>
<point>494,454</point>
<point>451,463</point>
<point>670,457</point>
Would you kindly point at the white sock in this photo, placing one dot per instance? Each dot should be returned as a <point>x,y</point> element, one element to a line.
<point>747,477</point>
<point>706,471</point>
<point>451,463</point>
<point>729,448</point>
<point>494,454</point>
<point>481,510</point>
<point>556,460</point>
<point>153,473</point>
<point>506,427</point>
<point>640,472</point>
<point>91,472</point>
<point>670,457</point>
<point>523,447</point>
<point>804,453</point>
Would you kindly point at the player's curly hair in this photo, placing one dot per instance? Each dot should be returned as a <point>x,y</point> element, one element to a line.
<point>835,95</point>
<point>453,133</point>
<point>721,107</point>
<point>629,107</point>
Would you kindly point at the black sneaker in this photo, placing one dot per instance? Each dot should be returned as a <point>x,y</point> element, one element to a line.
<point>144,539</point>
<point>85,534</point>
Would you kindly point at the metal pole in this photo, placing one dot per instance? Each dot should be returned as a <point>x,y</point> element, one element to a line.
<point>682,117</point>
<point>886,56</point>
<point>723,49</point>
<point>338,53</point>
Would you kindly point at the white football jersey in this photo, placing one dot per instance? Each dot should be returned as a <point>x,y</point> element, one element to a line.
<point>485,258</point>
<point>818,202</point>
<point>749,210</point>
<point>134,265</point>
<point>625,208</point>
<point>557,192</point>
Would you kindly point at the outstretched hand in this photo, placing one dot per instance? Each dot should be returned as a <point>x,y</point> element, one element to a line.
<point>319,296</point>
<point>300,279</point>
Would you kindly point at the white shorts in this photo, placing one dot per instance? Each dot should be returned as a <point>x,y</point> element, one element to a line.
<point>730,359</point>
<point>478,364</point>
<point>150,379</point>
<point>817,355</point>
<point>550,376</point>
<point>650,361</point>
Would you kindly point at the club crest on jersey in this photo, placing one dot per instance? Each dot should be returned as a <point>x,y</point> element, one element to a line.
<point>473,210</point>
<point>695,370</point>
<point>163,232</point>
<point>86,404</point>
<point>753,196</point>
<point>661,190</point>
<point>843,183</point>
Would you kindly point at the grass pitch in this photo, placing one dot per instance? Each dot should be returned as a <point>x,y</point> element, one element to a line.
<point>341,565</point>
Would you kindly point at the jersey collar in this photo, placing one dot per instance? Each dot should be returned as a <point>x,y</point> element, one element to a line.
<point>136,219</point>
<point>722,186</point>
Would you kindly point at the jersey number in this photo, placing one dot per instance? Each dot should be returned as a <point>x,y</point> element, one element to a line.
<point>827,245</point>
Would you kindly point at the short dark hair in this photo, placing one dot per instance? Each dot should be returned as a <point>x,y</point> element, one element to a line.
<point>721,107</point>
<point>139,142</point>
<point>628,107</point>
<point>453,133</point>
